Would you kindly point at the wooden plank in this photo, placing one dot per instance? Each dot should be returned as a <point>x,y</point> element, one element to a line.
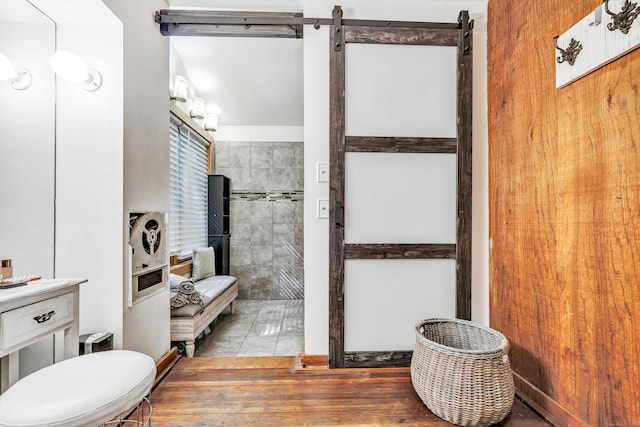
<point>336,195</point>
<point>200,391</point>
<point>312,361</point>
<point>405,36</point>
<point>239,30</point>
<point>218,17</point>
<point>543,404</point>
<point>402,24</point>
<point>464,171</point>
<point>182,269</point>
<point>379,144</point>
<point>563,221</point>
<point>377,359</point>
<point>400,251</point>
<point>164,365</point>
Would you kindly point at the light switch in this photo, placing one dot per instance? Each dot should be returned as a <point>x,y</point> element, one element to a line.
<point>322,172</point>
<point>323,208</point>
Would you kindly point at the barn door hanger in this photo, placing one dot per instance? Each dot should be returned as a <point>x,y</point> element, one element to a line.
<point>337,28</point>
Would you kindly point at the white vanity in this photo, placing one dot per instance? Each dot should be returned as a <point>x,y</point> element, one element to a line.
<point>32,312</point>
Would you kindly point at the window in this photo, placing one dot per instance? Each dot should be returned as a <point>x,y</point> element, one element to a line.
<point>188,168</point>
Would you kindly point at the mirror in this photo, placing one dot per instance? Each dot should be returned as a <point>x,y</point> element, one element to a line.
<point>27,142</point>
<point>27,153</point>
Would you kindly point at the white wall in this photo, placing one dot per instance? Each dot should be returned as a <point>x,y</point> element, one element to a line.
<point>27,155</point>
<point>27,143</point>
<point>89,168</point>
<point>259,133</point>
<point>316,137</point>
<point>146,155</point>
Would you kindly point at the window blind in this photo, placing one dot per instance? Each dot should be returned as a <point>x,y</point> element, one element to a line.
<point>188,167</point>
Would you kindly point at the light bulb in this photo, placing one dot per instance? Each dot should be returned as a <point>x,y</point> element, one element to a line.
<point>20,77</point>
<point>69,66</point>
<point>72,68</point>
<point>6,68</point>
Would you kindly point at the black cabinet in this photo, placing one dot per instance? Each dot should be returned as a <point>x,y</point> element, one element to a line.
<point>218,204</point>
<point>220,245</point>
<point>218,220</point>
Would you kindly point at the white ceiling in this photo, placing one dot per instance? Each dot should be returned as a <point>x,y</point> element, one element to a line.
<point>251,5</point>
<point>253,81</point>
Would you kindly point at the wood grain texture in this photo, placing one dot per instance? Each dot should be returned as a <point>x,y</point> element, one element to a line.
<point>182,269</point>
<point>407,36</point>
<point>381,144</point>
<point>564,172</point>
<point>249,392</point>
<point>336,194</point>
<point>464,200</point>
<point>400,251</point>
<point>377,359</point>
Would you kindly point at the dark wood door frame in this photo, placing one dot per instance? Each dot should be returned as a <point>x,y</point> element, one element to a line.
<point>376,32</point>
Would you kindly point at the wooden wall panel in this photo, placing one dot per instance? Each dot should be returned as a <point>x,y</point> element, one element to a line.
<point>565,216</point>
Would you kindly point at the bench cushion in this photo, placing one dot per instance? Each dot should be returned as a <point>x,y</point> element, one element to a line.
<point>210,288</point>
<point>82,391</point>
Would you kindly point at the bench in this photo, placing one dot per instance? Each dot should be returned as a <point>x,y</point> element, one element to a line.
<point>189,321</point>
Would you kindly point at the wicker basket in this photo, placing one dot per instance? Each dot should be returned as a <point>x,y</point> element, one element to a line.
<point>461,371</point>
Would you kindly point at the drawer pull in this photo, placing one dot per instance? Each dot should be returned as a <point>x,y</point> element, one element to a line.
<point>44,317</point>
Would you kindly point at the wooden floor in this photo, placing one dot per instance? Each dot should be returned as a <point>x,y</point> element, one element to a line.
<point>246,392</point>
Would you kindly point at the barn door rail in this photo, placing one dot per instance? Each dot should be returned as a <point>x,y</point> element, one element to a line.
<point>184,22</point>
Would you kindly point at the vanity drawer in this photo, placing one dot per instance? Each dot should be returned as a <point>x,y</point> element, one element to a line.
<point>41,318</point>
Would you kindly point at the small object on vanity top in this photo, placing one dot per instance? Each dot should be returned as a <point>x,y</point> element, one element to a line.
<point>6,269</point>
<point>12,282</point>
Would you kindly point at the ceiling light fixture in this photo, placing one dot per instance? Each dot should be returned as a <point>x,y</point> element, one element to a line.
<point>20,77</point>
<point>180,89</point>
<point>72,68</point>
<point>197,108</point>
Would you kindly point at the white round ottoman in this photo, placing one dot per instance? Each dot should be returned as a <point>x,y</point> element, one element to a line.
<point>86,390</point>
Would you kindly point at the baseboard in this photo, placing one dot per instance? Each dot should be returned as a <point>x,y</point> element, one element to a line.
<point>312,361</point>
<point>551,410</point>
<point>164,365</point>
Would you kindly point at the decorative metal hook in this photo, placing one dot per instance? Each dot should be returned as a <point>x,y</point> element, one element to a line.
<point>622,21</point>
<point>570,54</point>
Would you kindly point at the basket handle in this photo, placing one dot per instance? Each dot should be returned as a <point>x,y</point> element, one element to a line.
<point>505,346</point>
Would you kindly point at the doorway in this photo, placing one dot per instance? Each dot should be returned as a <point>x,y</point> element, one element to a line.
<point>255,83</point>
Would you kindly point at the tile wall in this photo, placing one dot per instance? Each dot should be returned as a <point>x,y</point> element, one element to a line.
<point>266,216</point>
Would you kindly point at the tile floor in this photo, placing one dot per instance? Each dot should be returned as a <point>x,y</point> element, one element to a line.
<point>257,328</point>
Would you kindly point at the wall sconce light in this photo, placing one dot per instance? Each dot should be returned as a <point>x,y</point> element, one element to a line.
<point>211,122</point>
<point>72,68</point>
<point>20,77</point>
<point>180,89</point>
<point>197,108</point>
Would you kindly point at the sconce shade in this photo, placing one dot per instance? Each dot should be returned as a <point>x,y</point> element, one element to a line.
<point>20,77</point>
<point>197,108</point>
<point>180,88</point>
<point>72,68</point>
<point>69,66</point>
<point>6,68</point>
<point>211,122</point>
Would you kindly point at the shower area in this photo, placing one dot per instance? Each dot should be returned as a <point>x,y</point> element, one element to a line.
<point>266,216</point>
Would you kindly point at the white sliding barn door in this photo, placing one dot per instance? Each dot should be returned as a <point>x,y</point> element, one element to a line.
<point>400,185</point>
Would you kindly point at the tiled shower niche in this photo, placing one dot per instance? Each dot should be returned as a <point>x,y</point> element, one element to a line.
<point>266,216</point>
